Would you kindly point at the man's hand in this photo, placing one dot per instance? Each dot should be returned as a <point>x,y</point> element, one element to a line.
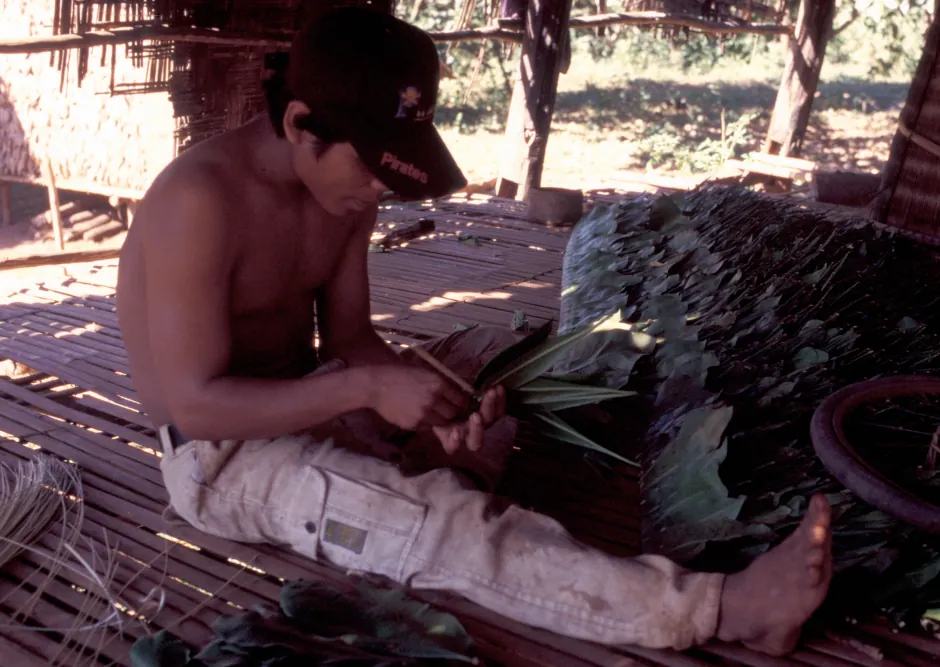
<point>469,434</point>
<point>408,396</point>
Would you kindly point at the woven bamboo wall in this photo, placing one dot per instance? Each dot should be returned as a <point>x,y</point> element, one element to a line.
<point>168,96</point>
<point>910,191</point>
<point>90,137</point>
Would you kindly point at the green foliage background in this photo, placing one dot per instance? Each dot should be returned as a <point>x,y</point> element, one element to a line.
<point>881,42</point>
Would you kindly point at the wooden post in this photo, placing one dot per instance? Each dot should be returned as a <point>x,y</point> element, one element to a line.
<point>800,78</point>
<point>530,117</point>
<point>54,211</point>
<point>5,204</point>
<point>507,185</point>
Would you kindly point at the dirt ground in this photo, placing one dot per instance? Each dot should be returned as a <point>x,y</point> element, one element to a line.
<point>617,132</point>
<point>621,133</point>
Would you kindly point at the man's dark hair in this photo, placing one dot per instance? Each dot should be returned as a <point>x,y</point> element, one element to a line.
<point>278,95</point>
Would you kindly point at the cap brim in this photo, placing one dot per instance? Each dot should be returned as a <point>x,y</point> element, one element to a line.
<point>412,162</point>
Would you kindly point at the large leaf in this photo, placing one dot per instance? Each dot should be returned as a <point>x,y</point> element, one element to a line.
<point>541,359</point>
<point>159,650</point>
<point>512,354</point>
<point>557,428</point>
<point>318,625</point>
<point>686,503</point>
<point>609,356</point>
<point>320,608</point>
<point>575,396</point>
<point>421,631</point>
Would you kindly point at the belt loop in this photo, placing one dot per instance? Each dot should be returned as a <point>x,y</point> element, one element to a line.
<point>166,439</point>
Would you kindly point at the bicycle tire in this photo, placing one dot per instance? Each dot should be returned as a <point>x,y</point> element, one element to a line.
<point>851,469</point>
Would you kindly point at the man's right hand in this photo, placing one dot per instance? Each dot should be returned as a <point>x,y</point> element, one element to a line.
<point>410,396</point>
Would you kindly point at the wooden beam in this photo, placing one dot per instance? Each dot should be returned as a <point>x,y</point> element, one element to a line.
<point>472,34</point>
<point>654,19</point>
<point>508,31</point>
<point>79,186</point>
<point>133,34</point>
<point>534,94</point>
<point>800,78</point>
<point>204,36</point>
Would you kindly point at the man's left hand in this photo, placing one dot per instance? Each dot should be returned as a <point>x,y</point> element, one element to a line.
<point>469,434</point>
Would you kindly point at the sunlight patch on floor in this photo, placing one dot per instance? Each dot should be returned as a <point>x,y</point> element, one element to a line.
<point>449,298</point>
<point>176,540</point>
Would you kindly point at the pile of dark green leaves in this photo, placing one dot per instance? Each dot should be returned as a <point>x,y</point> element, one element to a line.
<point>317,625</point>
<point>746,313</point>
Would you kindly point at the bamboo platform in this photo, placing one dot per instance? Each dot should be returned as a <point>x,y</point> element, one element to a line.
<point>77,403</point>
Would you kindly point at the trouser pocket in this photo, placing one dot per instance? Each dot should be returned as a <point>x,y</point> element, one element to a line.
<point>367,527</point>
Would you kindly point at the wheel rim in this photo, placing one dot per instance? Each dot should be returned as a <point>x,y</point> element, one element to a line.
<point>847,465</point>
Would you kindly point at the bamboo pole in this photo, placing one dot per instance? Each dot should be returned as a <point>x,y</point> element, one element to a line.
<point>133,34</point>
<point>59,258</point>
<point>647,19</point>
<point>509,31</point>
<point>54,211</point>
<point>5,204</point>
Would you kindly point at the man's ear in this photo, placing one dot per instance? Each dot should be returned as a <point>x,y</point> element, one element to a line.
<point>295,111</point>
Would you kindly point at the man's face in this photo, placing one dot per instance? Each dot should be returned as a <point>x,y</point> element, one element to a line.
<point>337,178</point>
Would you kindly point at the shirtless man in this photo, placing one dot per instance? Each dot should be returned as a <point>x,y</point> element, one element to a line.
<point>237,244</point>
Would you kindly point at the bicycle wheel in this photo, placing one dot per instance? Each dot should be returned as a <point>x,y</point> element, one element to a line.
<point>892,417</point>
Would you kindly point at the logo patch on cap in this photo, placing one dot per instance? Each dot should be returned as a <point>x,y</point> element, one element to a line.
<point>407,99</point>
<point>392,162</point>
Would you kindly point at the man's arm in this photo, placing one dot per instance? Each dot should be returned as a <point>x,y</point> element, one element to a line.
<point>189,262</point>
<point>347,333</point>
<point>189,259</point>
<point>343,314</point>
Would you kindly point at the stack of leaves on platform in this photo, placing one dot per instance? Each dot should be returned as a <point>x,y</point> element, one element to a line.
<point>316,624</point>
<point>757,309</point>
<point>536,390</point>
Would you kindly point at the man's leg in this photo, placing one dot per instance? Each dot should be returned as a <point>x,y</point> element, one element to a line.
<point>432,532</point>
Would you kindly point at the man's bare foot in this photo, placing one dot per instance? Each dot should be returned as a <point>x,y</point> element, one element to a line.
<point>766,605</point>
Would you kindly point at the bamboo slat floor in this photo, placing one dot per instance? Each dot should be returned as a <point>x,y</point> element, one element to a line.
<point>76,402</point>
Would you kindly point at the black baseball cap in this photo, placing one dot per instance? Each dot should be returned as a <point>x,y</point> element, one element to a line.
<point>372,80</point>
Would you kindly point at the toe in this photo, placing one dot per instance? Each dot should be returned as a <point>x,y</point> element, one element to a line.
<point>814,575</point>
<point>818,535</point>
<point>818,521</point>
<point>815,557</point>
<point>820,510</point>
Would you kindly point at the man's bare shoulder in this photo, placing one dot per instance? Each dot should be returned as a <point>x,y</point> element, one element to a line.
<point>189,207</point>
<point>203,176</point>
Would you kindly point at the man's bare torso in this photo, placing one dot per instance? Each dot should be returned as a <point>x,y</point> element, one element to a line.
<point>284,248</point>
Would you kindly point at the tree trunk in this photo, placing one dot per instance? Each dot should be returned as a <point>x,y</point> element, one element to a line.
<point>533,103</point>
<point>800,77</point>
